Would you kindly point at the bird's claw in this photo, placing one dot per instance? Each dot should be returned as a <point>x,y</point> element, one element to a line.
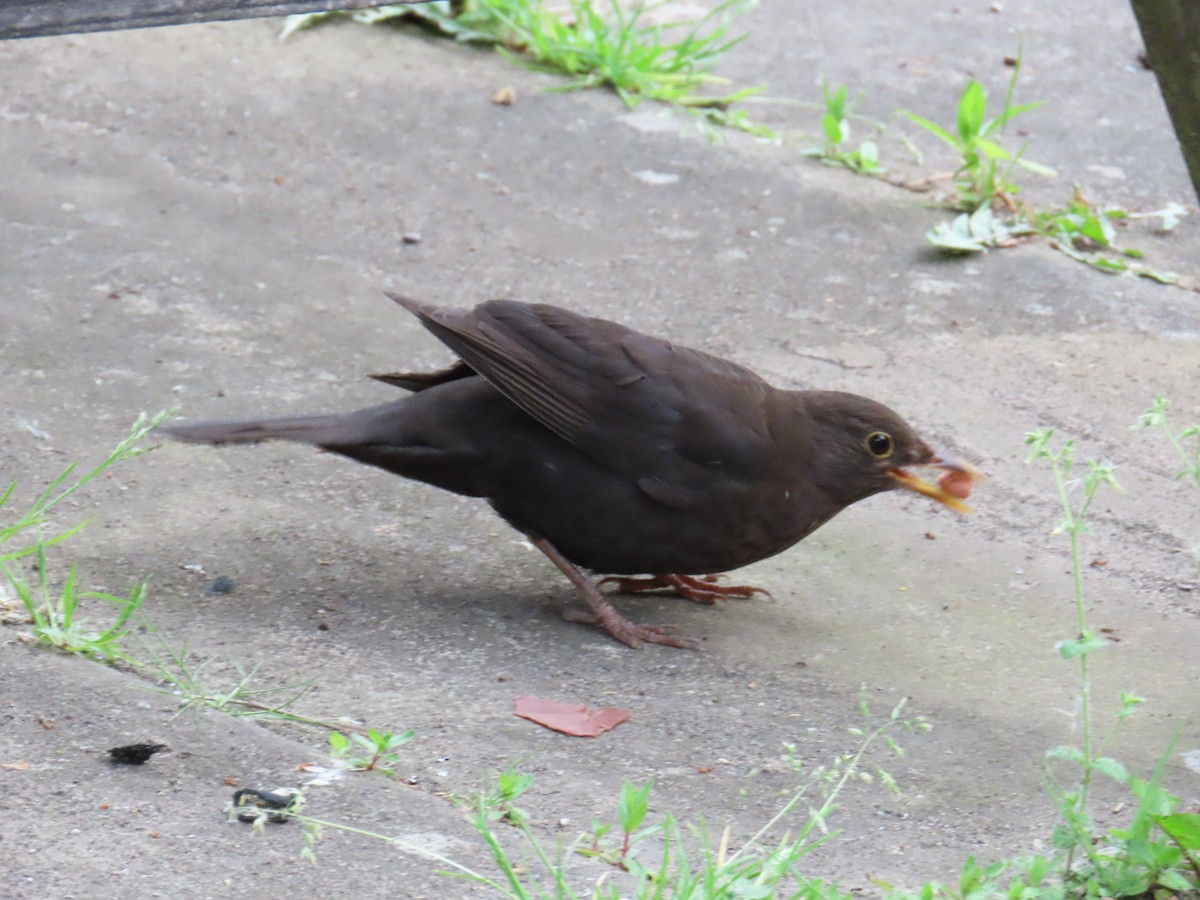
<point>632,634</point>
<point>706,589</point>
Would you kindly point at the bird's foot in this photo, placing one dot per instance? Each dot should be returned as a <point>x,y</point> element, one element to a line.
<point>631,634</point>
<point>706,589</point>
<point>605,614</point>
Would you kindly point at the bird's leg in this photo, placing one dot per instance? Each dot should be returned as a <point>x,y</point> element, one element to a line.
<point>705,589</point>
<point>604,613</point>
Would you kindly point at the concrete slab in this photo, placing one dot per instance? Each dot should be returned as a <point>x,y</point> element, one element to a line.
<point>78,825</point>
<point>203,217</point>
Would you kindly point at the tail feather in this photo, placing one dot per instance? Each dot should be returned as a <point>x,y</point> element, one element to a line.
<point>303,429</point>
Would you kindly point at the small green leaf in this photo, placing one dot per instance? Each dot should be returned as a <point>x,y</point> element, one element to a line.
<point>1063,837</point>
<point>976,232</point>
<point>369,742</point>
<point>1160,277</point>
<point>1108,264</point>
<point>836,130</point>
<point>1153,417</point>
<point>1175,881</point>
<point>838,106</point>
<point>1184,828</point>
<point>1010,113</point>
<point>1129,703</point>
<point>1153,799</point>
<point>971,108</point>
<point>934,129</point>
<point>1106,765</point>
<point>954,236</point>
<point>1074,754</point>
<point>1037,168</point>
<point>1098,229</point>
<point>991,150</point>
<point>632,805</point>
<point>1081,647</point>
<point>1039,867</point>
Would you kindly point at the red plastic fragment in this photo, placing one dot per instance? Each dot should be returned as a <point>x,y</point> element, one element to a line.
<point>569,718</point>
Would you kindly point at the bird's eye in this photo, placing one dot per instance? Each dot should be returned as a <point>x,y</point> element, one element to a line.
<point>880,444</point>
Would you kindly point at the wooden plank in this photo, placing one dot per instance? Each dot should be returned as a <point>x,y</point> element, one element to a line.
<point>38,18</point>
<point>1171,30</point>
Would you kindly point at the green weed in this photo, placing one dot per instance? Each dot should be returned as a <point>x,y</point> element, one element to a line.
<point>835,124</point>
<point>1156,854</point>
<point>1087,234</point>
<point>34,518</point>
<point>1142,857</point>
<point>984,175</point>
<point>652,862</point>
<point>1074,524</point>
<point>375,751</point>
<point>1134,864</point>
<point>985,192</point>
<point>978,231</point>
<point>56,613</point>
<point>500,803</point>
<point>654,859</point>
<point>1156,417</point>
<point>102,626</point>
<point>193,688</point>
<point>614,46</point>
<point>1080,230</point>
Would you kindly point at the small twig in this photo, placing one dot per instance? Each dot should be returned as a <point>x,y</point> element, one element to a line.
<point>835,362</point>
<point>282,713</point>
<point>921,185</point>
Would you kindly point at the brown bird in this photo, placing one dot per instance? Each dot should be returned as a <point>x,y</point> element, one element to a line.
<point>621,453</point>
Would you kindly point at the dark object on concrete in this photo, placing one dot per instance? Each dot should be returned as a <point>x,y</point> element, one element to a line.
<point>1171,30</point>
<point>618,452</point>
<point>251,805</point>
<point>135,754</point>
<point>221,585</point>
<point>39,18</point>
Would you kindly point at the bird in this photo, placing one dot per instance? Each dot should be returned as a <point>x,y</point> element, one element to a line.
<point>620,454</point>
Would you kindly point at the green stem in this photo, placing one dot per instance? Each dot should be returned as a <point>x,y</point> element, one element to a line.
<point>1072,522</point>
<point>1193,465</point>
<point>827,806</point>
<point>1085,693</point>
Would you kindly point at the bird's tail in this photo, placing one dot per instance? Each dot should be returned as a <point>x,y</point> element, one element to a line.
<point>321,430</point>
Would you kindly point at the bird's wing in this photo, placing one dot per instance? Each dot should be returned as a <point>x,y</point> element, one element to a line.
<point>671,419</point>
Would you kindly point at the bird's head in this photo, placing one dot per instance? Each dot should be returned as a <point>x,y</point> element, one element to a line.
<point>865,448</point>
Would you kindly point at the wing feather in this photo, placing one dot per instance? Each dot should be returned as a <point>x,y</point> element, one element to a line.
<point>662,415</point>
